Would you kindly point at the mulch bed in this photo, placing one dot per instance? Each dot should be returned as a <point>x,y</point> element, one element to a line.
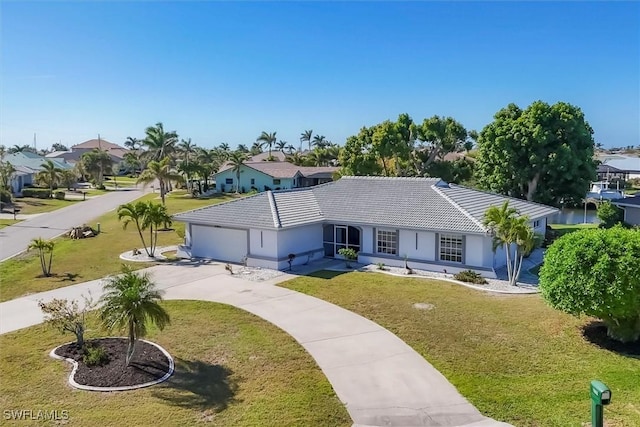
<point>148,363</point>
<point>596,333</point>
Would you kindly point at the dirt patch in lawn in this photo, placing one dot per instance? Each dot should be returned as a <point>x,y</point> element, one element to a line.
<point>148,364</point>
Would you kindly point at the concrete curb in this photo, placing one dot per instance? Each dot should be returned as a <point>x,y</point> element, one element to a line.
<point>74,384</point>
<point>419,276</point>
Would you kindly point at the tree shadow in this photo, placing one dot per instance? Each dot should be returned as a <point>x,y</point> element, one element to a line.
<point>69,277</point>
<point>199,385</point>
<point>327,274</point>
<point>596,333</point>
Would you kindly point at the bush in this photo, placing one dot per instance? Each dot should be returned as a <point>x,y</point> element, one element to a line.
<point>596,272</point>
<point>349,254</point>
<point>59,195</point>
<point>380,266</point>
<point>38,193</point>
<point>5,195</point>
<point>95,356</point>
<point>609,214</point>
<point>470,276</point>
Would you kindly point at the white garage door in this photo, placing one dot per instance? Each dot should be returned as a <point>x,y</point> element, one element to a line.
<point>223,244</point>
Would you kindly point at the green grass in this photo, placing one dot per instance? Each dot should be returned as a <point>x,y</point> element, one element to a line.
<point>7,222</point>
<point>76,261</point>
<point>515,358</point>
<point>30,205</point>
<point>563,229</point>
<point>232,369</point>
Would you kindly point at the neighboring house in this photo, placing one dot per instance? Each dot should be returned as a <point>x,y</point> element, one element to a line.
<point>627,166</point>
<point>27,165</point>
<point>73,156</point>
<point>631,208</point>
<point>263,176</point>
<point>435,225</point>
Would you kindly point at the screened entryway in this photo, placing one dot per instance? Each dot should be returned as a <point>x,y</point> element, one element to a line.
<point>337,237</point>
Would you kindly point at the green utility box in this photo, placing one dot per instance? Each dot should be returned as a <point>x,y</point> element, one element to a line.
<point>600,395</point>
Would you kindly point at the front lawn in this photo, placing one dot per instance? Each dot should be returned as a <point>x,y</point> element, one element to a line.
<point>7,222</point>
<point>232,369</point>
<point>515,358</point>
<point>32,205</point>
<point>76,261</point>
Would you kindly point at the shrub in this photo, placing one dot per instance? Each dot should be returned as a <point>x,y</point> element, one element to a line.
<point>95,356</point>
<point>470,276</point>
<point>380,266</point>
<point>59,195</point>
<point>609,214</point>
<point>349,254</point>
<point>5,195</point>
<point>596,272</point>
<point>38,193</point>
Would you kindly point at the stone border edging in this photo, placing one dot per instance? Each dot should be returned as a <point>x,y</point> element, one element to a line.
<point>74,384</point>
<point>128,256</point>
<point>419,276</point>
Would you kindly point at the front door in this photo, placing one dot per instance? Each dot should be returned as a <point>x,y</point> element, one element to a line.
<point>337,237</point>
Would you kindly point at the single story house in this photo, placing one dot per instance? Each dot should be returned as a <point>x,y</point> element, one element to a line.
<point>27,164</point>
<point>263,176</point>
<point>432,224</point>
<point>627,166</point>
<point>74,155</point>
<point>631,208</point>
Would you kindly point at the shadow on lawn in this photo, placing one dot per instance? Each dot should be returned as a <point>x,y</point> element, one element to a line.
<point>596,333</point>
<point>326,274</point>
<point>199,385</point>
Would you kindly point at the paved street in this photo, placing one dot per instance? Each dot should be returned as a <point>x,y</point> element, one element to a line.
<point>15,239</point>
<point>379,378</point>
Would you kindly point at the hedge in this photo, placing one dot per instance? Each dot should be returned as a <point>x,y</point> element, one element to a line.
<point>38,193</point>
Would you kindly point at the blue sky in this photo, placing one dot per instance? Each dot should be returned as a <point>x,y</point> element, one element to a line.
<point>223,72</point>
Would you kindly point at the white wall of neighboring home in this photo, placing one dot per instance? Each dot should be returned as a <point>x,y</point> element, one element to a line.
<point>247,174</point>
<point>223,244</point>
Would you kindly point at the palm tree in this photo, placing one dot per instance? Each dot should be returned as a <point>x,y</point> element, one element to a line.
<point>513,233</point>
<point>132,143</point>
<point>237,159</point>
<point>290,149</point>
<point>280,145</point>
<point>243,148</point>
<point>131,162</point>
<point>44,247</point>
<point>134,212</point>
<point>256,149</point>
<point>297,159</point>
<point>224,147</point>
<point>162,172</point>
<point>188,150</point>
<point>69,178</point>
<point>155,215</point>
<point>209,161</point>
<point>130,301</point>
<point>49,176</point>
<point>159,143</point>
<point>319,141</point>
<point>306,137</point>
<point>95,163</point>
<point>267,139</point>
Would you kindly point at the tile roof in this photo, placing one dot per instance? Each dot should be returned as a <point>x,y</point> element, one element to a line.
<point>102,144</point>
<point>286,169</point>
<point>415,203</point>
<point>33,161</point>
<point>624,163</point>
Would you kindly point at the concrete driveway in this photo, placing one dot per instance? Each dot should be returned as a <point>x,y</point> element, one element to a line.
<point>379,378</point>
<point>15,238</point>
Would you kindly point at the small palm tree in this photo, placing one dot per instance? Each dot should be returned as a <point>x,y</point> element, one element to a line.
<point>155,216</point>
<point>44,248</point>
<point>306,137</point>
<point>162,172</point>
<point>267,139</point>
<point>134,212</point>
<point>237,159</point>
<point>319,141</point>
<point>281,145</point>
<point>50,175</point>
<point>130,302</point>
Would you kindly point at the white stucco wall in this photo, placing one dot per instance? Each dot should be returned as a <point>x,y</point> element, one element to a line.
<point>632,215</point>
<point>224,244</point>
<point>475,250</point>
<point>367,239</point>
<point>417,244</point>
<point>263,243</point>
<point>299,239</point>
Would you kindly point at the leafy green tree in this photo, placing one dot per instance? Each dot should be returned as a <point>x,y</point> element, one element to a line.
<point>68,178</point>
<point>6,173</point>
<point>50,175</point>
<point>267,140</point>
<point>542,154</point>
<point>458,171</point>
<point>306,137</point>
<point>44,248</point>
<point>95,163</point>
<point>358,157</point>
<point>609,214</point>
<point>160,143</point>
<point>59,147</point>
<point>438,136</point>
<point>131,162</point>
<point>237,159</point>
<point>596,272</point>
<point>67,316</point>
<point>130,302</point>
<point>513,233</point>
<point>162,172</point>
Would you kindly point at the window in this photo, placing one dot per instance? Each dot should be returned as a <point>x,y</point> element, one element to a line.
<point>536,223</point>
<point>228,181</point>
<point>387,242</point>
<point>451,248</point>
<point>336,237</point>
<point>276,182</point>
<point>253,181</point>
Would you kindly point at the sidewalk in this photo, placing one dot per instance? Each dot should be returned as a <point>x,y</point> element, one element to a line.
<point>379,378</point>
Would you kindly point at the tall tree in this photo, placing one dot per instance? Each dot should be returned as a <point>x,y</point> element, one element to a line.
<point>163,173</point>
<point>160,143</point>
<point>267,139</point>
<point>50,175</point>
<point>542,154</point>
<point>95,163</point>
<point>306,137</point>
<point>132,143</point>
<point>319,141</point>
<point>237,159</point>
<point>256,148</point>
<point>438,136</point>
<point>134,213</point>
<point>281,145</point>
<point>130,302</point>
<point>358,156</point>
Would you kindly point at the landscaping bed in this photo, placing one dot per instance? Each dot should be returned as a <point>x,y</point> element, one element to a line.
<point>148,363</point>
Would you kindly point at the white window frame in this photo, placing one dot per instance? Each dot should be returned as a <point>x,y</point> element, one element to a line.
<point>387,242</point>
<point>451,248</point>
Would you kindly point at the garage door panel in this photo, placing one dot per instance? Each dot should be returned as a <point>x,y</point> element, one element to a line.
<point>224,244</point>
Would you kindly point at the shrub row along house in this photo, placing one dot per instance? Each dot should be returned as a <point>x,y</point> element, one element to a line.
<point>264,176</point>
<point>432,224</point>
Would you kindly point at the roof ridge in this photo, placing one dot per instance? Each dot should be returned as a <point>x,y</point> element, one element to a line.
<point>460,208</point>
<point>219,204</point>
<point>395,178</point>
<point>274,210</point>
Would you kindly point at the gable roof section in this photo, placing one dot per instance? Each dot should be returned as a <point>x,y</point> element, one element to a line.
<point>413,203</point>
<point>286,169</point>
<point>101,144</point>
<point>33,161</point>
